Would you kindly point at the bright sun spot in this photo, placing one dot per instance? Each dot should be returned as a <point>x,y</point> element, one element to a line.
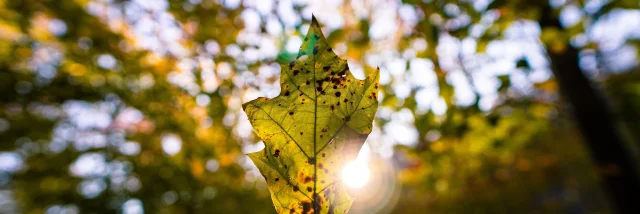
<point>355,174</point>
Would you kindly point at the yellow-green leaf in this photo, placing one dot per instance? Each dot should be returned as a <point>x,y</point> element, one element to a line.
<point>322,114</point>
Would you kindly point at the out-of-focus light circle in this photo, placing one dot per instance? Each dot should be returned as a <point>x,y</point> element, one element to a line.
<point>132,206</point>
<point>4,125</point>
<point>107,61</point>
<point>171,144</point>
<point>203,100</point>
<point>130,148</point>
<point>355,174</point>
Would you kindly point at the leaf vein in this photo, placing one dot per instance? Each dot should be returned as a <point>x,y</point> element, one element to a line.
<point>285,131</point>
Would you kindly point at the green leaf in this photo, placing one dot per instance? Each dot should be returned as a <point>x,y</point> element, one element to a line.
<point>322,115</point>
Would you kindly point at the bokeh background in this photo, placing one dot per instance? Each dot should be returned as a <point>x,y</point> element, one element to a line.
<point>113,106</point>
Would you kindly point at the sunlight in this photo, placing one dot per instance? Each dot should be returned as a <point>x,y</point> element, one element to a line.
<point>355,174</point>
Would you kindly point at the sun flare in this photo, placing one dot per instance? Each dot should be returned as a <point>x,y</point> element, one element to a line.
<point>355,174</point>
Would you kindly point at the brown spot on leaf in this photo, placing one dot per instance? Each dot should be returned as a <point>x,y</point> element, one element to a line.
<point>323,154</point>
<point>291,113</point>
<point>295,72</point>
<point>295,188</point>
<point>301,133</point>
<point>286,93</point>
<point>306,207</point>
<point>309,189</point>
<point>338,94</point>
<point>320,165</point>
<point>277,179</point>
<point>307,82</point>
<point>318,201</point>
<point>277,153</point>
<point>344,71</point>
<point>311,161</point>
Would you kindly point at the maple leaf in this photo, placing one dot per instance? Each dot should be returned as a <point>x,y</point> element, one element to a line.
<point>322,114</point>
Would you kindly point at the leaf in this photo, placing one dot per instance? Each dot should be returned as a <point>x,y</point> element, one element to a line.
<point>322,115</point>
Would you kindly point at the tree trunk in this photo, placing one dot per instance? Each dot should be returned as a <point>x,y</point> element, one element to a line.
<point>616,168</point>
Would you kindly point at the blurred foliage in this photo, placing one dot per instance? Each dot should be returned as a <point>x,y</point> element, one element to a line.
<point>111,106</point>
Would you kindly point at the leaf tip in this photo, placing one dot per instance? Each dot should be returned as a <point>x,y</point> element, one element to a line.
<point>244,106</point>
<point>314,21</point>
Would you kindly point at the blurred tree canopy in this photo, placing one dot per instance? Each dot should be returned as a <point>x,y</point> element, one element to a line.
<point>114,106</point>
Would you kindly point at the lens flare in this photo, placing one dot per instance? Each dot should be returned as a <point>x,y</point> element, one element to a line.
<point>355,174</point>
